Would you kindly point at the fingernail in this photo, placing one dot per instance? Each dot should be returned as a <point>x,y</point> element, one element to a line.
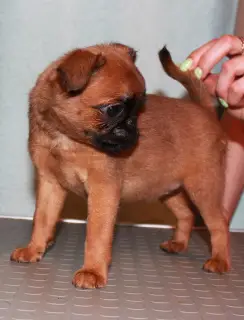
<point>223,102</point>
<point>198,73</point>
<point>186,65</point>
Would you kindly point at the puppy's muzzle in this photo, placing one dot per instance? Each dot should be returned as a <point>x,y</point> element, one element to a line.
<point>119,131</point>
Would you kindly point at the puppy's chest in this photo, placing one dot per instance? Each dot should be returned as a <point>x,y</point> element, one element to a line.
<point>70,170</point>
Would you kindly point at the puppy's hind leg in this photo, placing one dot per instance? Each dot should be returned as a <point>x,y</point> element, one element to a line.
<point>49,202</point>
<point>178,204</point>
<point>205,189</point>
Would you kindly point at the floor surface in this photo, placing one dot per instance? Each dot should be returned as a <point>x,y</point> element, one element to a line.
<point>144,282</point>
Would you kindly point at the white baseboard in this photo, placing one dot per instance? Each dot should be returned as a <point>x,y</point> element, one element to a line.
<point>136,225</point>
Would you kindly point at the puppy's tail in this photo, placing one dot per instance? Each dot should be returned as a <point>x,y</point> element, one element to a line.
<point>196,88</point>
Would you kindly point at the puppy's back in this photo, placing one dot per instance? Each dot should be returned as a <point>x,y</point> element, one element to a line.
<point>181,120</point>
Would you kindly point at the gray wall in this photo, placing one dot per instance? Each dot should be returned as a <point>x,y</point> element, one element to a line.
<point>34,32</point>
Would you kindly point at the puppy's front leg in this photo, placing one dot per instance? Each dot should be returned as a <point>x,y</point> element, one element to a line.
<point>49,202</point>
<point>103,202</point>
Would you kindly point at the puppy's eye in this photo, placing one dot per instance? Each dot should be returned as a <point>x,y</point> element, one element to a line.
<point>113,110</point>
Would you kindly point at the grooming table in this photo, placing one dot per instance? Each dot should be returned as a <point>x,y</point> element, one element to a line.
<point>144,282</point>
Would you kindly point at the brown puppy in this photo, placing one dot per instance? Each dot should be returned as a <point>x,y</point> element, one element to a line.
<point>84,136</point>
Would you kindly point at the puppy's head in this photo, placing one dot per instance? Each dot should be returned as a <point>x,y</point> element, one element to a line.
<point>98,94</point>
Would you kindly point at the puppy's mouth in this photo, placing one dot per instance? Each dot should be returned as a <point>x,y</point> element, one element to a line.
<point>120,138</point>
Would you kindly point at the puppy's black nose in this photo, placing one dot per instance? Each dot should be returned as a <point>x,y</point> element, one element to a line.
<point>120,133</point>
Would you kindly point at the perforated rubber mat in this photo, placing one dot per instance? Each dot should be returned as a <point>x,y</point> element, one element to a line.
<point>144,282</point>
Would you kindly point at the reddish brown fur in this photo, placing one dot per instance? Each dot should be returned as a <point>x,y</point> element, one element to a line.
<point>181,145</point>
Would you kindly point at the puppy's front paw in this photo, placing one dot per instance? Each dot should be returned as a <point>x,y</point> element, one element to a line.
<point>216,265</point>
<point>88,279</point>
<point>27,254</point>
<point>173,246</point>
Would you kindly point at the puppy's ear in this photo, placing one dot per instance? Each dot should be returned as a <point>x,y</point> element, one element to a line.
<point>76,70</point>
<point>130,51</point>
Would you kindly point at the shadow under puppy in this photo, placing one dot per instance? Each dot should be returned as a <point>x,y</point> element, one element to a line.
<point>91,130</point>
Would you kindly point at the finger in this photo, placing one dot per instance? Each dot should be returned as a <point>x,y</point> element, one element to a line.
<point>211,83</point>
<point>237,113</point>
<point>224,46</point>
<point>196,55</point>
<point>230,70</point>
<point>236,93</point>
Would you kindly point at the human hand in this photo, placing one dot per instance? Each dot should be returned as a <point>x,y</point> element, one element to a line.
<point>228,85</point>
